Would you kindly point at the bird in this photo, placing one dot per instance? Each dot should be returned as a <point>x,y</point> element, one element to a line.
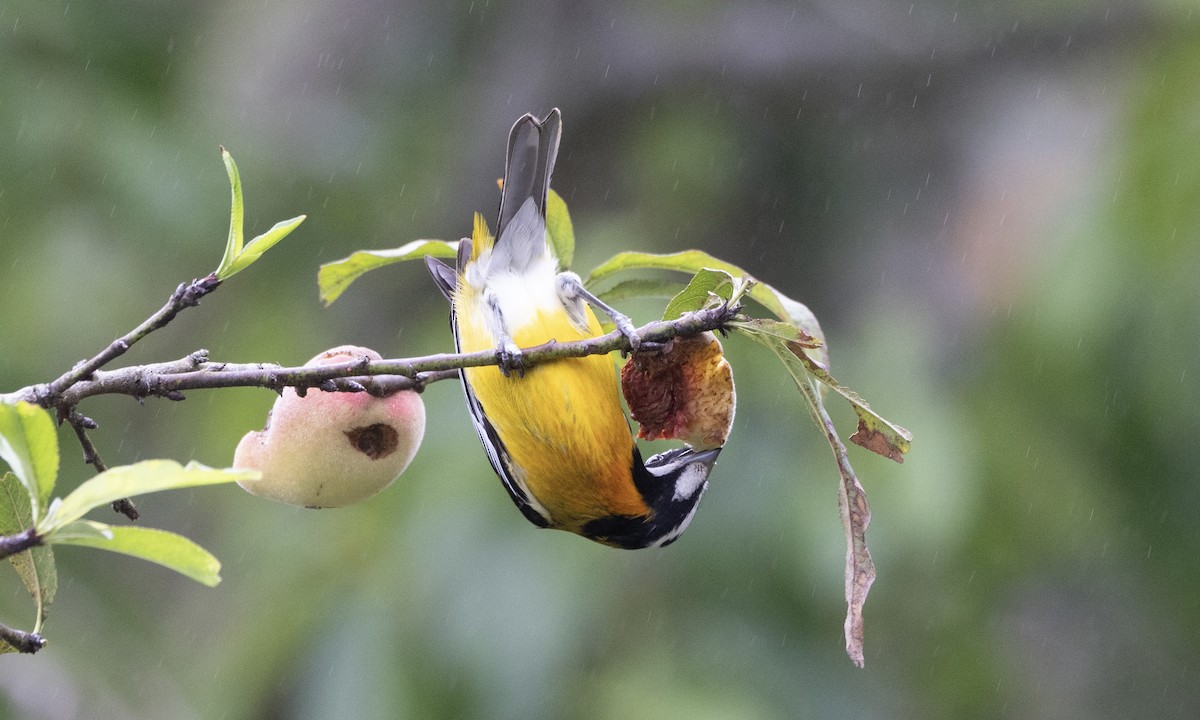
<point>555,432</point>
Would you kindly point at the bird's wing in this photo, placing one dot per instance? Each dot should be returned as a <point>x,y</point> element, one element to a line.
<point>444,277</point>
<point>496,453</point>
<point>501,463</point>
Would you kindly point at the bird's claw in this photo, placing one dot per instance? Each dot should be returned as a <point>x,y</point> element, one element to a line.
<point>626,328</point>
<point>510,359</point>
<point>653,346</point>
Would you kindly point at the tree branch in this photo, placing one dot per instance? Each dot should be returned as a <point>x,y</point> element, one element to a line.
<point>20,542</point>
<point>185,296</point>
<point>51,395</point>
<point>23,641</point>
<point>379,377</point>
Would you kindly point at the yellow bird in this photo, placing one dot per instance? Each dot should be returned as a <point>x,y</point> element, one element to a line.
<point>556,433</point>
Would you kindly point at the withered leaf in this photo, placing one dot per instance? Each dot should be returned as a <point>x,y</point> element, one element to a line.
<point>876,441</point>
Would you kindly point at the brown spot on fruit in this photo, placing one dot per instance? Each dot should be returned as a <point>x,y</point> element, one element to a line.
<point>331,449</point>
<point>375,441</point>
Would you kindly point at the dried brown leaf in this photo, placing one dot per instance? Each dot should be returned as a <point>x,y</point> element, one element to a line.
<point>877,442</point>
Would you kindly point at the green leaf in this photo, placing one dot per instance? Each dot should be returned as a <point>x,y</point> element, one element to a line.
<point>237,258</point>
<point>129,480</point>
<point>799,315</point>
<point>36,565</point>
<point>559,229</point>
<point>640,288</point>
<point>783,331</point>
<point>874,432</point>
<point>80,529</point>
<point>40,575</point>
<point>233,245</point>
<point>263,243</point>
<point>692,261</point>
<point>15,514</point>
<point>159,546</point>
<point>334,277</point>
<point>698,293</point>
<point>29,445</point>
<point>878,435</point>
<point>688,261</point>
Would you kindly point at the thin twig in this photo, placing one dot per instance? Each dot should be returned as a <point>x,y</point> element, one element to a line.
<point>20,542</point>
<point>185,296</point>
<point>52,394</point>
<point>81,424</point>
<point>380,377</point>
<point>25,642</point>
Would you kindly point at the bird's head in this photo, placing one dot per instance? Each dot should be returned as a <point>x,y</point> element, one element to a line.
<point>671,483</point>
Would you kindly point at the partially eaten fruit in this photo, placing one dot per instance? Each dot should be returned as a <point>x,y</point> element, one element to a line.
<point>331,449</point>
<point>684,392</point>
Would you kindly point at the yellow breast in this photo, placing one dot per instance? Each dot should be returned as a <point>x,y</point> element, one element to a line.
<point>561,422</point>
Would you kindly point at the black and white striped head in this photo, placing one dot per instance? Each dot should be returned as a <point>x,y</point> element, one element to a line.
<point>672,484</point>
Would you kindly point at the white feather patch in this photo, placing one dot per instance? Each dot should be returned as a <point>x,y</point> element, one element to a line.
<point>523,295</point>
<point>690,479</point>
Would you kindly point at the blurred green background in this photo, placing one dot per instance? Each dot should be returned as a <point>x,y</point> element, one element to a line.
<point>993,207</point>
